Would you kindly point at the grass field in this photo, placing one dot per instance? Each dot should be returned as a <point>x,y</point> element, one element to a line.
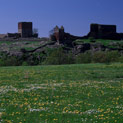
<point>87,93</point>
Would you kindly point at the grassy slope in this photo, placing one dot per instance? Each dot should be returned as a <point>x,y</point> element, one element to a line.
<point>109,43</point>
<point>68,93</point>
<point>30,45</point>
<point>16,46</point>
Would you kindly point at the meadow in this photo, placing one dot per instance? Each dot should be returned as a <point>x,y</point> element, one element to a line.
<point>81,93</point>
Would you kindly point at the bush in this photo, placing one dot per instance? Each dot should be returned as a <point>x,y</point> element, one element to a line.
<point>84,58</point>
<point>121,59</point>
<point>70,58</point>
<point>99,57</point>
<point>106,57</point>
<point>24,63</point>
<point>9,61</point>
<point>58,57</point>
<point>113,56</point>
<point>2,62</point>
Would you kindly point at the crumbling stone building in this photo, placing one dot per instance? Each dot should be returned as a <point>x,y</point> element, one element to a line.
<point>10,35</point>
<point>99,31</point>
<point>25,29</point>
<point>59,35</point>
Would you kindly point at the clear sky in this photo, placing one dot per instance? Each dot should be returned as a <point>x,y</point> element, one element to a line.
<point>74,15</point>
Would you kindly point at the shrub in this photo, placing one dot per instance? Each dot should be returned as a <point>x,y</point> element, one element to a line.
<point>121,59</point>
<point>56,57</point>
<point>24,63</point>
<point>59,56</point>
<point>84,58</point>
<point>70,58</point>
<point>2,62</point>
<point>106,57</point>
<point>9,61</point>
<point>99,57</point>
<point>113,56</point>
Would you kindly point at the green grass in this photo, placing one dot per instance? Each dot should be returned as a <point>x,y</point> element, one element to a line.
<point>105,42</point>
<point>5,42</point>
<point>16,46</point>
<point>87,93</point>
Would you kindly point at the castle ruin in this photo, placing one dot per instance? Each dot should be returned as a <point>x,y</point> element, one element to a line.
<point>25,30</point>
<point>59,35</point>
<point>99,31</point>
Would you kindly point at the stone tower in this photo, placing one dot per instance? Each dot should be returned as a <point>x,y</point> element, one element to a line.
<point>61,34</point>
<point>25,29</point>
<point>56,33</point>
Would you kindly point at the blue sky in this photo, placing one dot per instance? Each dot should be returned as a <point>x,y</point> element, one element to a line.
<point>74,15</point>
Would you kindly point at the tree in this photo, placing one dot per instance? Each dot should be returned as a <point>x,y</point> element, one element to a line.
<point>35,31</point>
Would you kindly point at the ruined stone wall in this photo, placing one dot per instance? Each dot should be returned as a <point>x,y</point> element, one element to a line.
<point>13,35</point>
<point>103,28</point>
<point>102,31</point>
<point>59,35</point>
<point>3,36</point>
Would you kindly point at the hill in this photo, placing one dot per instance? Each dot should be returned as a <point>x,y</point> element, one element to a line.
<point>27,50</point>
<point>28,44</point>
